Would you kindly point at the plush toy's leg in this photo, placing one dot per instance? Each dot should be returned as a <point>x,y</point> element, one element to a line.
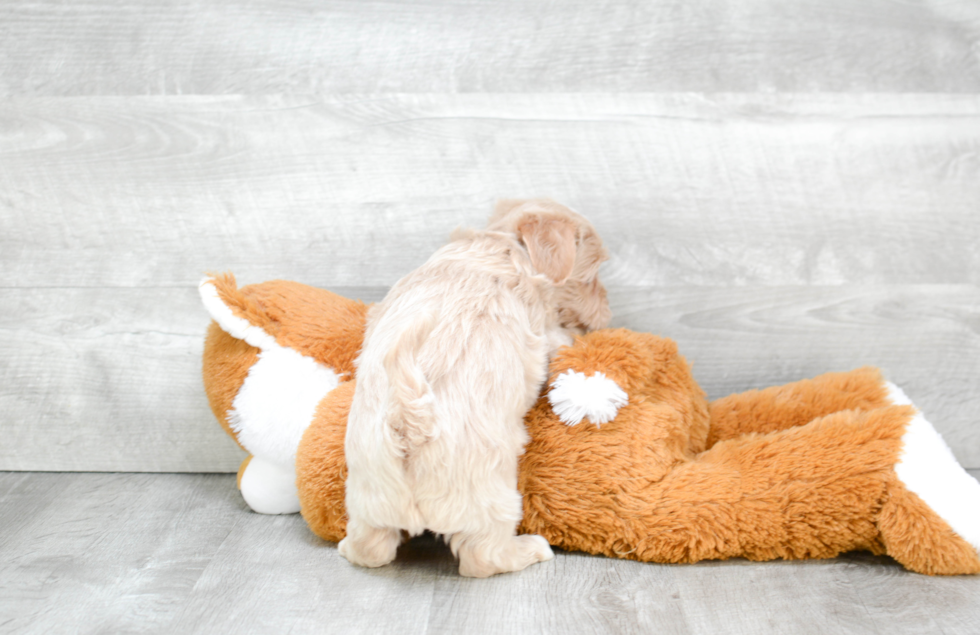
<point>881,480</point>
<point>795,404</point>
<point>930,521</point>
<point>241,471</point>
<point>269,488</point>
<point>812,491</point>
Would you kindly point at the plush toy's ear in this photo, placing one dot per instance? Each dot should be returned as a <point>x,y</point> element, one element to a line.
<point>236,314</point>
<point>575,396</point>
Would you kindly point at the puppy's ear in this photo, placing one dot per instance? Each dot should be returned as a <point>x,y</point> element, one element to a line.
<point>550,243</point>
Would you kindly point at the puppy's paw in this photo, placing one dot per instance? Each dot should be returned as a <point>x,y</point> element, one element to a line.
<point>370,547</point>
<point>519,552</point>
<point>538,548</point>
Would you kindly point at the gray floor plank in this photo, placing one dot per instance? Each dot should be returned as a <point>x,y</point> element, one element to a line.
<point>112,553</point>
<point>347,191</point>
<point>180,553</point>
<point>809,597</point>
<point>573,593</point>
<point>106,47</point>
<point>942,605</point>
<point>23,497</point>
<point>279,579</point>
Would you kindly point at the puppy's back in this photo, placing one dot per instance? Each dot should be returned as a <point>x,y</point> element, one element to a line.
<point>452,358</point>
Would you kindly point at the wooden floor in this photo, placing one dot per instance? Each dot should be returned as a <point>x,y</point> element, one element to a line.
<point>785,188</point>
<point>179,553</point>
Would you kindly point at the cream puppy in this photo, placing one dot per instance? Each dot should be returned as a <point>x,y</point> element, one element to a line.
<point>453,358</point>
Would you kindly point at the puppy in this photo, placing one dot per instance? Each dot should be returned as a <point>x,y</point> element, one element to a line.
<point>453,358</point>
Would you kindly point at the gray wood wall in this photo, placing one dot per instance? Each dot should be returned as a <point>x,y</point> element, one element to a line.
<point>785,188</point>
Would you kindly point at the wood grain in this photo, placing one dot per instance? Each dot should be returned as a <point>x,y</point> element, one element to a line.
<point>924,338</point>
<point>109,379</point>
<point>180,553</point>
<point>115,552</point>
<point>106,379</point>
<point>356,191</point>
<point>121,47</point>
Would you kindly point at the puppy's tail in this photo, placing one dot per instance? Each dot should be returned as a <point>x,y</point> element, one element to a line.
<point>410,414</point>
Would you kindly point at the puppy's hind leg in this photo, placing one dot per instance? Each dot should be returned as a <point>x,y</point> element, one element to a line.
<point>495,549</point>
<point>369,546</point>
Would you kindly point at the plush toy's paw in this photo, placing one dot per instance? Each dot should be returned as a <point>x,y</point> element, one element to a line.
<point>269,488</point>
<point>574,396</point>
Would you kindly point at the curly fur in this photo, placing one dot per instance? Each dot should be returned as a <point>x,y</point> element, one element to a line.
<point>453,358</point>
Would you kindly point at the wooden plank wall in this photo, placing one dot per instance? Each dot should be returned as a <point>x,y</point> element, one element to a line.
<point>785,188</point>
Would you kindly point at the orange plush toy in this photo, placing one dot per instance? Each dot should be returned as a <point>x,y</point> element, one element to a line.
<point>627,458</point>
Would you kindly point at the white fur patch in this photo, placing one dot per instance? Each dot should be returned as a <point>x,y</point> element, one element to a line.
<point>928,468</point>
<point>230,323</point>
<point>269,488</point>
<point>276,403</point>
<point>574,396</point>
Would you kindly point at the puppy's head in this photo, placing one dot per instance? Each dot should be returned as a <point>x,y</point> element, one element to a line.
<point>563,246</point>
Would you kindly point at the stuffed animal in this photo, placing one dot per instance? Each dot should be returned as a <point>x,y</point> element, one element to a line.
<point>627,458</point>
<point>272,353</point>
